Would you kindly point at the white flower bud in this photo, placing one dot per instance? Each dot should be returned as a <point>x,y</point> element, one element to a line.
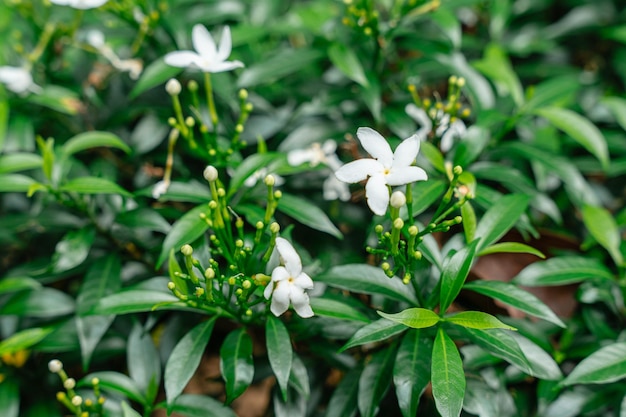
<point>77,400</point>
<point>173,87</point>
<point>270,180</point>
<point>69,383</point>
<point>186,250</point>
<point>55,366</point>
<point>398,199</point>
<point>210,173</point>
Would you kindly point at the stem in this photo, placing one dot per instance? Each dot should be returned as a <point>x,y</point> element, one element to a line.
<point>41,45</point>
<point>209,98</point>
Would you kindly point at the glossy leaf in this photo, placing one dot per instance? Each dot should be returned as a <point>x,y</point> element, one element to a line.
<point>143,218</point>
<point>15,183</point>
<point>604,230</point>
<point>116,382</point>
<point>411,371</point>
<point>43,302</point>
<point>477,320</point>
<point>193,405</point>
<point>248,167</point>
<point>448,378</point>
<point>24,339</point>
<point>606,365</point>
<point>308,214</point>
<point>127,410</point>
<point>283,63</point>
<point>15,284</point>
<point>19,161</point>
<point>511,247</point>
<point>236,363</point>
<point>501,344</point>
<point>374,332</point>
<point>617,106</point>
<point>561,271</point>
<point>425,193</point>
<point>144,363</point>
<point>185,358</point>
<point>347,62</point>
<point>542,364</point>
<point>93,139</point>
<point>156,73</point>
<point>299,377</point>
<point>367,279</point>
<point>580,129</point>
<point>336,309</point>
<point>73,249</point>
<point>186,229</point>
<point>279,351</point>
<point>469,221</point>
<point>93,185</point>
<point>343,402</point>
<point>514,296</point>
<point>417,318</point>
<point>10,397</point>
<point>454,274</point>
<point>133,301</point>
<point>499,219</point>
<point>374,381</point>
<point>497,66</point>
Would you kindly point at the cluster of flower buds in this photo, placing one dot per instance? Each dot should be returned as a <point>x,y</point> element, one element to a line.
<point>362,17</point>
<point>79,405</point>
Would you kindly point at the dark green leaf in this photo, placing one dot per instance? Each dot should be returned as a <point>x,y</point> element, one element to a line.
<point>308,214</point>
<point>93,185</point>
<point>299,377</point>
<point>347,62</point>
<point>448,378</point>
<point>285,62</point>
<point>236,363</point>
<point>10,397</point>
<point>375,381</point>
<point>510,247</point>
<point>184,360</point>
<point>336,309</point>
<point>425,193</point>
<point>24,339</point>
<point>454,274</point>
<point>144,363</point>
<point>417,318</point>
<point>501,344</point>
<point>73,249</point>
<point>279,351</point>
<point>187,229</point>
<point>343,402</point>
<point>93,139</point>
<point>15,284</point>
<point>604,366</point>
<point>477,320</point>
<point>367,279</point>
<point>500,218</point>
<point>43,302</point>
<point>191,405</point>
<point>604,230</point>
<point>143,218</point>
<point>116,382</point>
<point>374,332</point>
<point>248,167</point>
<point>541,363</point>
<point>156,73</point>
<point>561,271</point>
<point>411,372</point>
<point>19,161</point>
<point>134,301</point>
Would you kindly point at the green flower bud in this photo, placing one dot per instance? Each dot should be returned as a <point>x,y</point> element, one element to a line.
<point>186,250</point>
<point>55,366</point>
<point>413,230</point>
<point>192,85</point>
<point>270,180</point>
<point>274,227</point>
<point>398,223</point>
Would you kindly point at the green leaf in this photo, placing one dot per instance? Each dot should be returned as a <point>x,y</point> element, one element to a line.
<point>604,230</point>
<point>248,167</point>
<point>514,296</point>
<point>24,339</point>
<point>15,284</point>
<point>93,185</point>
<point>143,218</point>
<point>58,98</point>
<point>454,274</point>
<point>73,249</point>
<point>299,377</point>
<point>617,106</point>
<point>279,351</point>
<point>343,402</point>
<point>425,193</point>
<point>477,320</point>
<point>367,279</point>
<point>542,364</point>
<point>184,360</point>
<point>601,367</point>
<point>497,66</point>
<point>283,63</point>
<point>15,183</point>
<point>116,382</point>
<point>336,309</point>
<point>133,301</point>
<point>175,272</point>
<point>580,129</point>
<point>4,121</point>
<point>469,221</point>
<point>448,378</point>
<point>187,229</point>
<point>374,381</point>
<point>374,332</point>
<point>434,156</point>
<point>43,302</point>
<point>417,318</point>
<point>127,410</point>
<point>371,95</point>
<point>347,62</point>
<point>144,363</point>
<point>411,372</point>
<point>510,247</point>
<point>156,73</point>
<point>19,161</point>
<point>191,405</point>
<point>10,397</point>
<point>561,271</point>
<point>500,218</point>
<point>93,139</point>
<point>308,214</point>
<point>236,363</point>
<point>500,343</point>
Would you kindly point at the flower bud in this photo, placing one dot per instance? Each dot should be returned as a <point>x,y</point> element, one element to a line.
<point>209,273</point>
<point>77,400</point>
<point>186,250</point>
<point>259,225</point>
<point>385,266</point>
<point>458,170</point>
<point>398,223</point>
<point>379,228</point>
<point>210,173</point>
<point>239,128</point>
<point>243,94</point>
<point>171,286</point>
<point>453,79</point>
<point>96,381</point>
<point>398,199</point>
<point>413,230</point>
<point>173,87</point>
<point>460,82</point>
<point>270,180</point>
<point>55,366</point>
<point>61,396</point>
<point>190,121</point>
<point>274,227</point>
<point>192,85</point>
<point>69,383</point>
<point>232,281</point>
<point>246,284</point>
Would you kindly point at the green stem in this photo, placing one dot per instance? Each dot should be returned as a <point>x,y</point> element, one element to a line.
<point>209,98</point>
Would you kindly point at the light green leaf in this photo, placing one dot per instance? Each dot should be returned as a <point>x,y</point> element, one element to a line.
<point>411,371</point>
<point>116,382</point>
<point>617,106</point>
<point>601,367</point>
<point>374,332</point>
<point>333,308</point>
<point>4,121</point>
<point>192,405</point>
<point>186,229</point>
<point>58,98</point>
<point>15,284</point>
<point>144,363</point>
<point>561,271</point>
<point>580,129</point>
<point>134,301</point>
<point>236,363</point>
<point>542,364</point>
<point>500,218</point>
<point>501,344</point>
<point>279,351</point>
<point>469,221</point>
<point>93,139</point>
<point>514,296</point>
<point>477,320</point>
<point>15,183</point>
<point>93,185</point>
<point>367,279</point>
<point>511,247</point>
<point>448,378</point>
<point>19,161</point>
<point>24,339</point>
<point>371,95</point>
<point>185,358</point>
<point>43,302</point>
<point>283,63</point>
<point>127,410</point>
<point>374,381</point>
<point>299,377</point>
<point>604,230</point>
<point>417,318</point>
<point>308,214</point>
<point>72,250</point>
<point>497,66</point>
<point>454,274</point>
<point>347,62</point>
<point>156,73</point>
<point>434,156</point>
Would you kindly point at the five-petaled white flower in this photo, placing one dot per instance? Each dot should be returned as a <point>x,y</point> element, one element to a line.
<point>17,79</point>
<point>207,57</point>
<point>387,169</point>
<point>80,4</point>
<point>448,131</point>
<point>289,282</point>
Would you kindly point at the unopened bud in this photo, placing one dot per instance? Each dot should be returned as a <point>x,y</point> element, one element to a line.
<point>173,87</point>
<point>209,273</point>
<point>398,199</point>
<point>398,223</point>
<point>259,225</point>
<point>190,121</point>
<point>77,400</point>
<point>239,128</point>
<point>385,266</point>
<point>453,79</point>
<point>274,227</point>
<point>55,366</point>
<point>460,82</point>
<point>70,383</point>
<point>458,170</point>
<point>186,250</point>
<point>413,230</point>
<point>192,85</point>
<point>270,180</point>
<point>171,286</point>
<point>379,228</point>
<point>210,173</point>
<point>246,284</point>
<point>243,94</point>
<point>232,281</point>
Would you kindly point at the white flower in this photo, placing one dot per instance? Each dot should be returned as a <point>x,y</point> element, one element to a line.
<point>387,169</point>
<point>207,57</point>
<point>333,189</point>
<point>315,154</point>
<point>134,67</point>
<point>421,117</point>
<point>289,282</point>
<point>80,4</point>
<point>160,188</point>
<point>260,174</point>
<point>17,79</point>
<point>448,131</point>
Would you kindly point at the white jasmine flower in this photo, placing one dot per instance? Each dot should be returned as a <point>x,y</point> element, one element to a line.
<point>333,189</point>
<point>387,169</point>
<point>160,188</point>
<point>17,79</point>
<point>80,4</point>
<point>421,118</point>
<point>289,282</point>
<point>207,56</point>
<point>449,131</point>
<point>134,67</point>
<point>260,174</point>
<point>315,154</point>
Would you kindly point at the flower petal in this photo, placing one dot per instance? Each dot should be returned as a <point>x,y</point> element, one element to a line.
<point>303,281</point>
<point>406,152</point>
<point>214,67</point>
<point>182,59</point>
<point>289,257</point>
<point>300,302</point>
<point>280,298</point>
<point>280,273</point>
<point>377,194</point>
<point>334,189</point>
<point>359,170</point>
<point>375,145</point>
<point>203,43</point>
<point>267,292</point>
<point>456,130</point>
<point>406,175</point>
<point>225,47</point>
<point>420,116</point>
<point>298,157</point>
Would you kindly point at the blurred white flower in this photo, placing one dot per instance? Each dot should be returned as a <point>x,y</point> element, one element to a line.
<point>207,56</point>
<point>316,154</point>
<point>17,79</point>
<point>333,189</point>
<point>160,188</point>
<point>421,118</point>
<point>260,174</point>
<point>80,4</point>
<point>134,67</point>
<point>289,282</point>
<point>387,169</point>
<point>449,131</point>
